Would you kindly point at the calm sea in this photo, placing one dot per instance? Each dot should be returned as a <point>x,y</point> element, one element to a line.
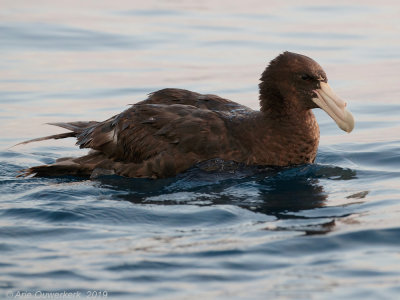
<point>330,230</point>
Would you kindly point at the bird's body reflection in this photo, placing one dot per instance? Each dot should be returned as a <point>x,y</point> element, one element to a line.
<point>279,192</point>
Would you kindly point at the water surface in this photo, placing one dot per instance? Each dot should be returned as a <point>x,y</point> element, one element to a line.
<point>330,230</point>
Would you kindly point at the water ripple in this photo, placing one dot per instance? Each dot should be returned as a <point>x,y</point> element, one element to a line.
<point>324,230</point>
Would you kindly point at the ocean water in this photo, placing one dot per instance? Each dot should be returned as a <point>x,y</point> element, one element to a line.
<point>330,230</point>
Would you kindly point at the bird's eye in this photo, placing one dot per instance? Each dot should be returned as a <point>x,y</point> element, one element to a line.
<point>305,77</point>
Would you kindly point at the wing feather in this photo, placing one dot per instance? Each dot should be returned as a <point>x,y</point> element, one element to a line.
<point>145,130</point>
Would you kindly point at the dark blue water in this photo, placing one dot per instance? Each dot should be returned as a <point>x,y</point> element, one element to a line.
<point>330,230</point>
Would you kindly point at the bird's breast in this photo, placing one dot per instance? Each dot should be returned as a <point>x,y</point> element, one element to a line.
<point>284,145</point>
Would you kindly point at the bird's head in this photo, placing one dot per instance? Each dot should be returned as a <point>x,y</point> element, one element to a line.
<point>294,82</point>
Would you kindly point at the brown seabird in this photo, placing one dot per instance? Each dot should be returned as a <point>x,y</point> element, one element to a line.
<point>174,129</point>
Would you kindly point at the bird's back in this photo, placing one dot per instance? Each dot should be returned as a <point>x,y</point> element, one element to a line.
<point>162,135</point>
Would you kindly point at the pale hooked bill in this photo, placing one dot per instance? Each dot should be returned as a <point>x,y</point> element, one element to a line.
<point>334,107</point>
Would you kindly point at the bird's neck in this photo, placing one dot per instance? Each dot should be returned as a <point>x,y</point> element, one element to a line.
<point>300,122</point>
<point>285,140</point>
<point>270,97</point>
<point>281,106</point>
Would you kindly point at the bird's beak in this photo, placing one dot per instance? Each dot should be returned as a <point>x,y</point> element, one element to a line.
<point>334,107</point>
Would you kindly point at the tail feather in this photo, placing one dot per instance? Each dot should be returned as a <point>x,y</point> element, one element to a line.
<point>55,170</point>
<point>75,126</point>
<point>62,166</point>
<point>49,137</point>
<point>81,166</point>
<point>73,166</point>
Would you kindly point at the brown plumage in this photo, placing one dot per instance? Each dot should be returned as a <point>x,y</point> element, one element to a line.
<point>174,129</point>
